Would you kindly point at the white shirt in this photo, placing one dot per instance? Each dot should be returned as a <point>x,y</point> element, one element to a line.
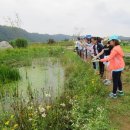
<point>78,44</point>
<point>90,48</point>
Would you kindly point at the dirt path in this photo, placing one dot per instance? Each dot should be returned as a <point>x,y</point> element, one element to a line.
<point>120,107</point>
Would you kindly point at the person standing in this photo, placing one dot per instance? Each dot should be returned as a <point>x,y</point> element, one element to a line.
<point>88,47</point>
<point>106,51</point>
<point>116,65</point>
<point>78,46</point>
<point>97,48</point>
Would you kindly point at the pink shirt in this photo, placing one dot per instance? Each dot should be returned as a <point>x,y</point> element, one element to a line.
<point>115,59</point>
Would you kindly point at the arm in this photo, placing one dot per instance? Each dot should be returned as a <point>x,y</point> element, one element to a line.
<point>98,55</point>
<point>112,55</point>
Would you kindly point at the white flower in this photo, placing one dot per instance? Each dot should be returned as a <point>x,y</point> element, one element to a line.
<point>47,95</point>
<point>44,115</point>
<point>42,109</point>
<point>63,104</point>
<point>30,108</point>
<point>30,119</point>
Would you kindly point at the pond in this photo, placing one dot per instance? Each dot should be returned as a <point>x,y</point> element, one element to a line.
<point>42,78</point>
<point>47,76</point>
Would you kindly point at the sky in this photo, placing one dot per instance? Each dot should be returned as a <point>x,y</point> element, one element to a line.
<point>72,17</point>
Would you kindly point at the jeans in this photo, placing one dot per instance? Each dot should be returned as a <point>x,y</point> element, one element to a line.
<point>117,84</point>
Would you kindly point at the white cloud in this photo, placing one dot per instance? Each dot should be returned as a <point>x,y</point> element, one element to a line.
<point>98,17</point>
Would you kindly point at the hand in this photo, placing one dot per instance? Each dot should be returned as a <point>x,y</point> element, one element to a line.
<point>96,60</point>
<point>94,57</point>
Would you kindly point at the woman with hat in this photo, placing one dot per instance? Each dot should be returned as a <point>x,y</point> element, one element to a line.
<point>116,65</point>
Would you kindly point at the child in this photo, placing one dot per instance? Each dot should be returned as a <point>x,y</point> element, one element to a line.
<point>78,46</point>
<point>82,49</point>
<point>116,65</point>
<point>88,47</point>
<point>97,48</point>
<point>106,51</point>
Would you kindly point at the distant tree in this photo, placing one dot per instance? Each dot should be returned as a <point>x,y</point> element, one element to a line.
<point>21,43</point>
<point>51,41</point>
<point>13,22</point>
<point>66,40</point>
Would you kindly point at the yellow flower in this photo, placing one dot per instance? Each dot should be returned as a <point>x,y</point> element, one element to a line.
<point>48,107</point>
<point>30,114</point>
<point>12,116</point>
<point>15,126</point>
<point>7,123</point>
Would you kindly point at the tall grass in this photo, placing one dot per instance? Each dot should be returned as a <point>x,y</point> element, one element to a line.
<point>8,74</point>
<point>23,57</point>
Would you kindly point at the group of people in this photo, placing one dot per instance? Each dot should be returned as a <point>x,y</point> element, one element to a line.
<point>106,56</point>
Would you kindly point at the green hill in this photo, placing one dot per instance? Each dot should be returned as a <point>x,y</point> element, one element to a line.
<point>11,33</point>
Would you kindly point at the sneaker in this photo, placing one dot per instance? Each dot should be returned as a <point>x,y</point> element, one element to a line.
<point>107,83</point>
<point>120,93</point>
<point>105,80</point>
<point>112,95</point>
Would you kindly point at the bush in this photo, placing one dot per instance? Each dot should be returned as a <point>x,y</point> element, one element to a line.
<point>12,43</point>
<point>21,43</point>
<point>51,41</point>
<point>8,74</point>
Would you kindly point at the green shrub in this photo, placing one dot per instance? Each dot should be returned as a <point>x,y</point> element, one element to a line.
<point>12,43</point>
<point>51,41</point>
<point>8,74</point>
<point>21,43</point>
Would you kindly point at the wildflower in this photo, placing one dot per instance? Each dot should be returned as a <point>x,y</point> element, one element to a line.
<point>71,101</point>
<point>47,95</point>
<point>63,105</point>
<point>30,114</point>
<point>30,119</point>
<point>44,115</point>
<point>12,116</point>
<point>15,126</point>
<point>7,123</point>
<point>91,110</point>
<point>93,82</point>
<point>48,107</point>
<point>29,108</point>
<point>42,109</point>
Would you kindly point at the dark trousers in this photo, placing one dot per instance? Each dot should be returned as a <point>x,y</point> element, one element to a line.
<point>86,53</point>
<point>101,68</point>
<point>117,84</point>
<point>94,65</point>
